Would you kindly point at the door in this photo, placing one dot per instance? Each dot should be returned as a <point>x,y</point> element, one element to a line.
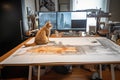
<point>10,30</point>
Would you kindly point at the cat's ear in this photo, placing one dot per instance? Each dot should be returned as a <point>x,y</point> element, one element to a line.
<point>47,23</point>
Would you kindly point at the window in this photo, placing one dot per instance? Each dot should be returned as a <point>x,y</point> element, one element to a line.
<point>90,4</point>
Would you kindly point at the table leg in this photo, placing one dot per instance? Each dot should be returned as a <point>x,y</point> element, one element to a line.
<point>39,72</point>
<point>112,72</point>
<point>100,67</point>
<point>30,73</point>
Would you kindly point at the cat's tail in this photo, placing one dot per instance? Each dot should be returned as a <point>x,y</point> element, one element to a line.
<point>32,44</point>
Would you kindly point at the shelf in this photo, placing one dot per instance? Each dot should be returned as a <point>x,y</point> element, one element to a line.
<point>99,15</point>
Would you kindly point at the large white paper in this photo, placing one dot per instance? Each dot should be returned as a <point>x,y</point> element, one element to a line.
<point>90,50</point>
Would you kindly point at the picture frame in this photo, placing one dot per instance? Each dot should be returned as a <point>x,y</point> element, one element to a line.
<point>47,5</point>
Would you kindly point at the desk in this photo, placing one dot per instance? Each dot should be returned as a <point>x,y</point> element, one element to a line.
<point>91,50</point>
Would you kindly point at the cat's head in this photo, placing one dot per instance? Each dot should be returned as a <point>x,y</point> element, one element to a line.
<point>49,25</point>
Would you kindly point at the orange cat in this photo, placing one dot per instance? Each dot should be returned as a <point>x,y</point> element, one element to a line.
<point>42,36</point>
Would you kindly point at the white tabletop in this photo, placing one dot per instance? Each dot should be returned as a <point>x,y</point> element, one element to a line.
<point>91,50</point>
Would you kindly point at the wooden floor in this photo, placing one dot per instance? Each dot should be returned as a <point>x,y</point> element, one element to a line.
<point>76,74</point>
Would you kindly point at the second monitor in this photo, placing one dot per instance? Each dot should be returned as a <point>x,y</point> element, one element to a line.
<point>71,20</point>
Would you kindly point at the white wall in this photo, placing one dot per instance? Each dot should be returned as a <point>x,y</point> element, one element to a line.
<point>56,5</point>
<point>31,5</point>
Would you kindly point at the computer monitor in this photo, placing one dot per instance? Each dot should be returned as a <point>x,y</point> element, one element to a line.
<point>71,21</point>
<point>78,20</point>
<point>63,20</point>
<point>47,16</point>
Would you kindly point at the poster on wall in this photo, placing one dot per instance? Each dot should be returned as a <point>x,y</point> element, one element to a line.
<point>47,5</point>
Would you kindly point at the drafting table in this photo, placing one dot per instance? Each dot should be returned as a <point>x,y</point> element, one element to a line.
<point>90,50</point>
